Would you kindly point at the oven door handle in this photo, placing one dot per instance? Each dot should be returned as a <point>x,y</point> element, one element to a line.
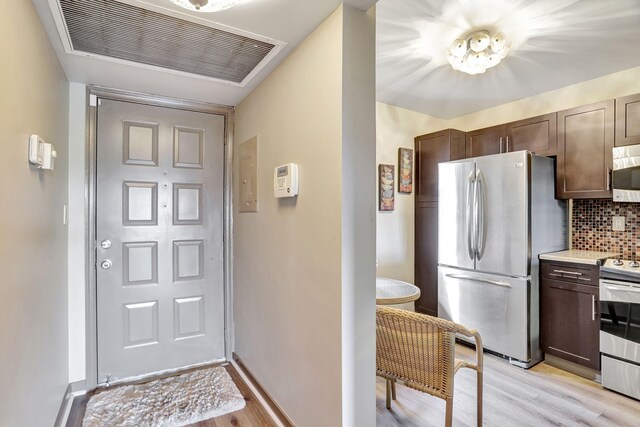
<point>623,288</point>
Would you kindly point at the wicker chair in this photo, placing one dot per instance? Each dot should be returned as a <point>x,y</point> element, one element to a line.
<point>419,350</point>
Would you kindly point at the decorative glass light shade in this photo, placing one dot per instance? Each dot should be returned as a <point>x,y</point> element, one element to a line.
<point>205,5</point>
<point>458,48</point>
<point>479,41</point>
<point>477,52</point>
<point>498,41</point>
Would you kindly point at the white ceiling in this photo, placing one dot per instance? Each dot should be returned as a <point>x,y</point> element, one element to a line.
<point>555,43</point>
<point>288,21</point>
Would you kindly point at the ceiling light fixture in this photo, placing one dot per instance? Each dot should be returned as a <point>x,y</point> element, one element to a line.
<point>205,5</point>
<point>477,52</point>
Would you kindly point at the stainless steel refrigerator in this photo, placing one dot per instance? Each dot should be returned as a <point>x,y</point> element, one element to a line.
<point>495,215</point>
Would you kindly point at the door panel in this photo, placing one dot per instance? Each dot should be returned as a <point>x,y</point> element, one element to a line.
<point>627,120</point>
<point>585,141</point>
<point>536,134</point>
<point>503,237</point>
<point>426,257</point>
<point>483,142</point>
<point>574,307</point>
<point>160,304</point>
<point>455,213</point>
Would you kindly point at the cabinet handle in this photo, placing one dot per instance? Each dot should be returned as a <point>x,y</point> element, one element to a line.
<point>568,272</point>
<point>593,307</point>
<point>501,145</point>
<point>608,179</point>
<point>507,150</point>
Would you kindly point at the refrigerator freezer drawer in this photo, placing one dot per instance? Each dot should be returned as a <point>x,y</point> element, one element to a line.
<point>621,376</point>
<point>496,306</point>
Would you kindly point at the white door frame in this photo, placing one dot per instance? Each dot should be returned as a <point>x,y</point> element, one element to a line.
<point>93,94</point>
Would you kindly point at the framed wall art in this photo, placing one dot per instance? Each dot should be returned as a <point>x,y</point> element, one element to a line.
<point>386,176</point>
<point>405,170</point>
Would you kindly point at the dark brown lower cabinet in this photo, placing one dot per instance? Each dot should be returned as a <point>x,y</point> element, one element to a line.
<point>569,316</point>
<point>426,257</point>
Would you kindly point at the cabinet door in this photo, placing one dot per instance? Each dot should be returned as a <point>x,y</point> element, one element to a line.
<point>536,134</point>
<point>585,140</point>
<point>426,257</point>
<point>628,120</point>
<point>570,322</point>
<point>430,150</point>
<point>482,142</point>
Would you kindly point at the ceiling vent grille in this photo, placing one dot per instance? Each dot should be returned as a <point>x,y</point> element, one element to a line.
<point>118,30</point>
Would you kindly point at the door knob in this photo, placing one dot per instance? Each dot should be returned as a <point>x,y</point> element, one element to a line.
<point>106,264</point>
<point>105,244</point>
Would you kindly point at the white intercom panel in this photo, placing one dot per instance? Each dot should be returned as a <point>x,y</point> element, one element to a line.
<point>285,180</point>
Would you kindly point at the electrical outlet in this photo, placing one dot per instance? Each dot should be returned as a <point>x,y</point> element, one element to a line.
<point>618,223</point>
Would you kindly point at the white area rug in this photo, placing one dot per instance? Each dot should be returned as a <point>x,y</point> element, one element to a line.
<point>174,401</point>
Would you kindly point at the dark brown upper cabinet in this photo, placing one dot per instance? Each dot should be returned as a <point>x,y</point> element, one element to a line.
<point>482,142</point>
<point>585,140</point>
<point>432,149</point>
<point>628,120</point>
<point>536,134</point>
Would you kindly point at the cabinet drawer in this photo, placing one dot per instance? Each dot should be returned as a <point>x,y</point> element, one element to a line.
<point>570,272</point>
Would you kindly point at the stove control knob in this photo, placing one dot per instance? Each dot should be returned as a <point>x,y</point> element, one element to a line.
<point>617,262</point>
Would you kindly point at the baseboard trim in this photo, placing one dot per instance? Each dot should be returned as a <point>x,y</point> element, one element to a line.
<point>65,407</point>
<point>574,368</point>
<point>266,397</point>
<point>78,388</point>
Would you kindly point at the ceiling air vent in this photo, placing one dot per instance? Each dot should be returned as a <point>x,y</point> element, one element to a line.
<point>125,32</point>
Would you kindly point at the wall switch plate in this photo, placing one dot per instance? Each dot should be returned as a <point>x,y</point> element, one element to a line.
<point>618,223</point>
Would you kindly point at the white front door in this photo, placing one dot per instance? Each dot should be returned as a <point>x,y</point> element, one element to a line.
<point>159,232</point>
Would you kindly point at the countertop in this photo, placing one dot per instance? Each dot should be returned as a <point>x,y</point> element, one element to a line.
<point>579,256</point>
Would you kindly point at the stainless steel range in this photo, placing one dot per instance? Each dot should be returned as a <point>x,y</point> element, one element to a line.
<point>620,326</point>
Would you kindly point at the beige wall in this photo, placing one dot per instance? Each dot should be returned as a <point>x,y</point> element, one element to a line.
<point>396,127</point>
<point>77,230</point>
<point>288,270</point>
<point>358,218</point>
<point>608,87</point>
<point>33,239</point>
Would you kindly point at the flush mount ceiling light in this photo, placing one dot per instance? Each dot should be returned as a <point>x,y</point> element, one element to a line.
<point>477,52</point>
<point>205,5</point>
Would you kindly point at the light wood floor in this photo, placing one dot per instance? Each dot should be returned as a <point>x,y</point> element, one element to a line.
<point>540,396</point>
<point>253,414</point>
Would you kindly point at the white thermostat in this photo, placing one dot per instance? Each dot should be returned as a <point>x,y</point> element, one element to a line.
<point>41,153</point>
<point>285,180</point>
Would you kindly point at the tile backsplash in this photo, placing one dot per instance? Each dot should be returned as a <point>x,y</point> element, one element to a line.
<point>591,227</point>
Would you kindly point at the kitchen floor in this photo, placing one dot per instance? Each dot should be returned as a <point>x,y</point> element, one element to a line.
<point>540,396</point>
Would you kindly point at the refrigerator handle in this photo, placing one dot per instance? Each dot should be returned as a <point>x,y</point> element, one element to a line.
<point>471,215</point>
<point>479,280</point>
<point>479,215</point>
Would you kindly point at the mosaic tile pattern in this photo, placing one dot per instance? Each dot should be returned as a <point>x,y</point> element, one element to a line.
<point>591,227</point>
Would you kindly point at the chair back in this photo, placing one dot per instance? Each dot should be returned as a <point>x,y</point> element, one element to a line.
<point>416,349</point>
